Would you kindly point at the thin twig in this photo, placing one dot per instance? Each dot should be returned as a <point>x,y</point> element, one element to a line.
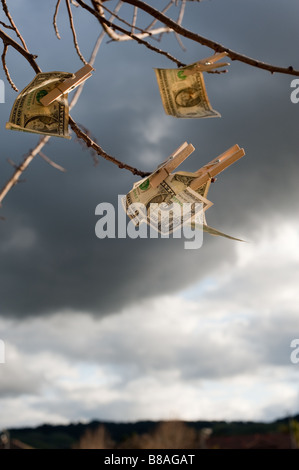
<point>219,72</point>
<point>182,11</point>
<point>134,19</point>
<point>55,19</point>
<point>6,25</point>
<point>48,160</point>
<point>12,163</point>
<point>9,79</point>
<point>22,167</point>
<point>5,9</point>
<point>178,38</point>
<point>74,31</point>
<point>93,153</point>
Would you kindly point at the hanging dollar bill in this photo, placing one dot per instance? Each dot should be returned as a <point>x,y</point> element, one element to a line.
<point>184,95</point>
<point>167,207</point>
<point>29,115</point>
<point>183,90</point>
<point>160,199</point>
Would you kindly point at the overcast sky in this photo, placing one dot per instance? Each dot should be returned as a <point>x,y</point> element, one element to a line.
<point>123,329</point>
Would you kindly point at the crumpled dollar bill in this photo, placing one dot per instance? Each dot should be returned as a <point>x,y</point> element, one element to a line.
<point>29,115</point>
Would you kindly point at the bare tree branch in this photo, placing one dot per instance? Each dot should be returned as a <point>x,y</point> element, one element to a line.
<point>90,143</point>
<point>207,42</point>
<point>137,38</point>
<point>117,33</point>
<point>19,169</point>
<point>26,54</point>
<point>5,9</point>
<point>80,134</point>
<point>22,167</point>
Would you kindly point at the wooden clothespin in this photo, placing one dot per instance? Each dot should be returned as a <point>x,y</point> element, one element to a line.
<point>213,58</point>
<point>207,64</point>
<point>172,162</point>
<point>209,171</point>
<point>67,85</point>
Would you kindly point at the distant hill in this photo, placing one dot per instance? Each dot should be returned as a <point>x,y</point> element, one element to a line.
<point>50,436</point>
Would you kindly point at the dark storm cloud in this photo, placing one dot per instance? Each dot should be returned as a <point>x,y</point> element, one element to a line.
<point>51,258</point>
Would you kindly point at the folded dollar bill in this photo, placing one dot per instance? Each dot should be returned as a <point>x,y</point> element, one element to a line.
<point>29,115</point>
<point>183,93</point>
<point>167,207</point>
<point>166,201</point>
